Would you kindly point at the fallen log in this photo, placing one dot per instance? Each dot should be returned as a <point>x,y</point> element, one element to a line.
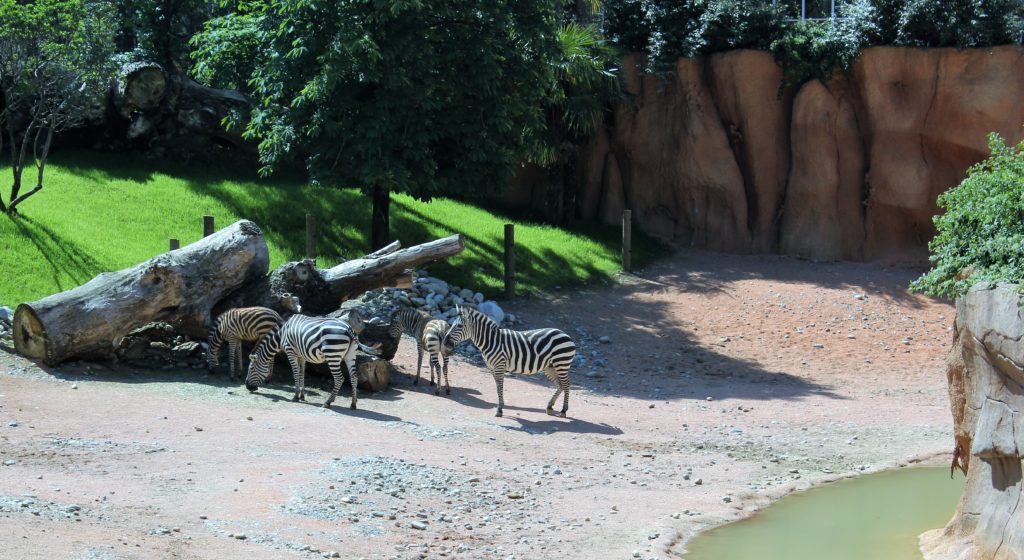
<point>322,291</point>
<point>179,287</point>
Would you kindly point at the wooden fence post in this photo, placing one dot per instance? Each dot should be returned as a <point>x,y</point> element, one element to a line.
<point>627,240</point>
<point>207,226</point>
<point>310,236</point>
<point>510,262</point>
<point>175,244</point>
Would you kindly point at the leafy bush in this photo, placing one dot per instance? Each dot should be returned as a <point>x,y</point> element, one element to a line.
<point>813,50</point>
<point>960,23</point>
<point>669,29</point>
<point>981,234</point>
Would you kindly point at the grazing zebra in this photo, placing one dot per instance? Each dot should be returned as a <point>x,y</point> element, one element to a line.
<point>412,321</point>
<point>243,324</point>
<point>505,350</point>
<point>309,339</point>
<point>433,342</point>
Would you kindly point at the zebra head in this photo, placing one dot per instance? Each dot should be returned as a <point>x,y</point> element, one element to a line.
<point>457,332</point>
<point>261,361</point>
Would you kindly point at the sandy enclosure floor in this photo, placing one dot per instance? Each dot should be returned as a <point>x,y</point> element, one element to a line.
<point>727,382</point>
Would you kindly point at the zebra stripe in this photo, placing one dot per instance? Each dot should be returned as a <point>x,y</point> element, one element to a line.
<point>433,342</point>
<point>542,350</point>
<point>411,322</point>
<point>237,325</point>
<point>308,339</point>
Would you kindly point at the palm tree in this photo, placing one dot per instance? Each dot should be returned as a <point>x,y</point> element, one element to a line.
<point>586,85</point>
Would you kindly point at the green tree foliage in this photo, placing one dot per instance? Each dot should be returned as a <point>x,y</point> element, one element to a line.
<point>159,30</point>
<point>981,234</point>
<point>812,49</point>
<point>585,87</point>
<point>960,23</point>
<point>419,96</point>
<point>54,65</point>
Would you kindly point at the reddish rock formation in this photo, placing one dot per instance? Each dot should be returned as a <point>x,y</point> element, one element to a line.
<point>713,157</point>
<point>986,373</point>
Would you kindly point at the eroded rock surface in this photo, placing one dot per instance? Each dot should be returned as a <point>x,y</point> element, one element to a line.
<point>714,157</point>
<point>987,396</point>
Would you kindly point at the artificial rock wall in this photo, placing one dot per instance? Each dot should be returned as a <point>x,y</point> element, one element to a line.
<point>716,158</point>
<point>986,387</point>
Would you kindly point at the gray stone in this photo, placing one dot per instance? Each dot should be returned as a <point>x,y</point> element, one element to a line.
<point>419,525</point>
<point>492,310</point>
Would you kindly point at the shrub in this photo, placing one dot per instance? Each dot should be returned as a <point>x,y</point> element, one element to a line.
<point>813,50</point>
<point>981,234</point>
<point>960,23</point>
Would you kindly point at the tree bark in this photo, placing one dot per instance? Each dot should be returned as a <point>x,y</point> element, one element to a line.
<point>180,287</point>
<point>380,221</point>
<point>322,291</point>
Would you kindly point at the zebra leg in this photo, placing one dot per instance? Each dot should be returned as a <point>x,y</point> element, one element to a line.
<point>499,381</point>
<point>419,363</point>
<point>434,364</point>
<point>563,384</point>
<point>232,351</point>
<point>241,362</point>
<point>552,374</point>
<point>353,375</point>
<point>447,387</point>
<point>298,374</point>
<point>339,379</point>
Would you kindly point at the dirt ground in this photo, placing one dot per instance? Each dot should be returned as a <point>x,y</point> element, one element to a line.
<point>725,382</point>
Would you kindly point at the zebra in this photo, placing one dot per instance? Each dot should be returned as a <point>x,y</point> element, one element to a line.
<point>412,321</point>
<point>504,350</point>
<point>433,342</point>
<point>243,324</point>
<point>309,339</point>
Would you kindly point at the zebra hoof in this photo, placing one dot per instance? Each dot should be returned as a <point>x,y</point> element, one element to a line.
<point>551,412</point>
<point>561,414</point>
<point>352,406</point>
<point>447,391</point>
<point>431,382</point>
<point>498,414</point>
<point>437,392</point>
<point>295,398</point>
<point>416,381</point>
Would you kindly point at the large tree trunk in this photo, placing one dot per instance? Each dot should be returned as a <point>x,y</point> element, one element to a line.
<point>322,291</point>
<point>172,114</point>
<point>380,220</point>
<point>179,287</point>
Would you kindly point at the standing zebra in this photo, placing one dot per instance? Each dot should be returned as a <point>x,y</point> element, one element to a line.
<point>243,324</point>
<point>309,339</point>
<point>505,350</point>
<point>412,321</point>
<point>434,343</point>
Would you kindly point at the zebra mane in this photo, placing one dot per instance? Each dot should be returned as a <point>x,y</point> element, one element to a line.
<point>477,315</point>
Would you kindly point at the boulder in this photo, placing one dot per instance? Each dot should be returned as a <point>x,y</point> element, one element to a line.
<point>988,412</point>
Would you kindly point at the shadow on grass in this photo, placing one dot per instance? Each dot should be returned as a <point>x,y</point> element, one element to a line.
<point>64,258</point>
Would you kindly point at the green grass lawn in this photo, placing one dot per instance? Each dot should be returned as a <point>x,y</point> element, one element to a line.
<point>102,211</point>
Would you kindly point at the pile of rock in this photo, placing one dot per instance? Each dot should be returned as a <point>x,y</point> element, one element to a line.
<point>437,297</point>
<point>6,316</point>
<point>157,344</point>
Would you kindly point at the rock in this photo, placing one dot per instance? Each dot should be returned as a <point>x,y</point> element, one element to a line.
<point>6,313</point>
<point>10,462</point>
<point>712,156</point>
<point>987,405</point>
<point>418,525</point>
<point>604,339</point>
<point>492,310</point>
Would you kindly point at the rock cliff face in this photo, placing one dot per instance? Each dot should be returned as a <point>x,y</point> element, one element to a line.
<point>986,381</point>
<point>715,158</point>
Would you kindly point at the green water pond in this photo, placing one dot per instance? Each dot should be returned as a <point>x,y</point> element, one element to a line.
<point>877,516</point>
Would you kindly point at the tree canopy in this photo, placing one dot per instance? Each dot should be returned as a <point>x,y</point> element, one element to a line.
<point>420,96</point>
